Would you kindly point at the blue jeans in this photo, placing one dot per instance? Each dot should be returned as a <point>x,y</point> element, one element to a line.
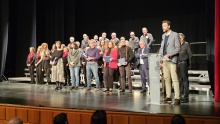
<point>74,73</point>
<point>92,68</point>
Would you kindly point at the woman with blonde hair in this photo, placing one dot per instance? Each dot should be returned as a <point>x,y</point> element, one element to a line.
<point>57,66</point>
<point>30,63</point>
<point>110,66</point>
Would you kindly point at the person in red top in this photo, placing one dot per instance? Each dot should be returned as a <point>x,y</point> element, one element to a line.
<point>30,63</point>
<point>66,66</point>
<point>110,67</point>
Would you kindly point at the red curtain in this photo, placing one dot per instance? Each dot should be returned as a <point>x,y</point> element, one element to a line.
<point>217,51</point>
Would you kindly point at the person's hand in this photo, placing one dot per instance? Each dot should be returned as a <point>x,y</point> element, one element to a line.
<point>67,64</point>
<point>72,63</point>
<point>167,55</point>
<point>103,60</point>
<point>52,63</point>
<point>36,65</point>
<point>110,59</point>
<point>125,63</point>
<point>161,65</point>
<point>42,69</point>
<point>119,64</point>
<point>28,65</point>
<point>83,63</point>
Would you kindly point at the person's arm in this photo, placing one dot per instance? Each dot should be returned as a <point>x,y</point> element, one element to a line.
<point>150,36</point>
<point>131,55</point>
<point>137,55</point>
<point>176,45</point>
<point>189,54</point>
<point>60,54</point>
<point>68,58</point>
<point>136,42</point>
<point>33,60</point>
<point>97,55</point>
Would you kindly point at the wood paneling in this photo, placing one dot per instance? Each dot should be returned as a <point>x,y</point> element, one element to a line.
<point>86,118</point>
<point>2,113</point>
<point>119,119</point>
<point>10,113</point>
<point>38,115</point>
<point>74,118</point>
<point>46,117</point>
<point>33,116</point>
<point>22,114</point>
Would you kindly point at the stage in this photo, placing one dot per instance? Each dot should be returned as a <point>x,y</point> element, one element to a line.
<point>24,94</point>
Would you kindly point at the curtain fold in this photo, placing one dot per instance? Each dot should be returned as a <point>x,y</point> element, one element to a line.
<point>217,51</point>
<point>3,35</point>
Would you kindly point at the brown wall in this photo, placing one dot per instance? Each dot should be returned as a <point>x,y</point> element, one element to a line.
<point>43,115</point>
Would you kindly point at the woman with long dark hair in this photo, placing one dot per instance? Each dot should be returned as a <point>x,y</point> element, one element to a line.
<point>110,66</point>
<point>57,66</point>
<point>74,65</point>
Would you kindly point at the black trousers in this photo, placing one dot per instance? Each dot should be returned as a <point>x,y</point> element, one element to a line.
<point>47,71</point>
<point>182,71</point>
<point>66,71</point>
<point>31,71</point>
<point>40,74</point>
<point>108,77</point>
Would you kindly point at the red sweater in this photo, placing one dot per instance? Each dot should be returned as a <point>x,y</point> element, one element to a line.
<point>114,56</point>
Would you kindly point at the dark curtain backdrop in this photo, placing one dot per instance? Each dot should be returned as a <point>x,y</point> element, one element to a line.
<point>60,19</point>
<point>3,35</point>
<point>186,16</point>
<point>217,50</point>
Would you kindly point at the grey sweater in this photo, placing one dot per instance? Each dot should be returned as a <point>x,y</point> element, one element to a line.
<point>74,56</point>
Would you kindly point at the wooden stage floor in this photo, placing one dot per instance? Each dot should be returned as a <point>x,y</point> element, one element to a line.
<point>200,104</point>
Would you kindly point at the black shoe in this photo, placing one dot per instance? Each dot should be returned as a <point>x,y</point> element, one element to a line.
<point>167,100</point>
<point>57,88</point>
<point>176,102</point>
<point>76,88</point>
<point>184,100</point>
<point>69,84</point>
<point>122,91</point>
<point>143,91</point>
<point>65,84</point>
<point>73,87</point>
<point>130,91</point>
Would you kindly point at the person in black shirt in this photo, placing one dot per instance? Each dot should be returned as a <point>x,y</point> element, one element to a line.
<point>57,66</point>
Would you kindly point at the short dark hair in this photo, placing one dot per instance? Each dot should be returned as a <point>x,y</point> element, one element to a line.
<point>60,119</point>
<point>178,119</point>
<point>99,117</point>
<point>166,21</point>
